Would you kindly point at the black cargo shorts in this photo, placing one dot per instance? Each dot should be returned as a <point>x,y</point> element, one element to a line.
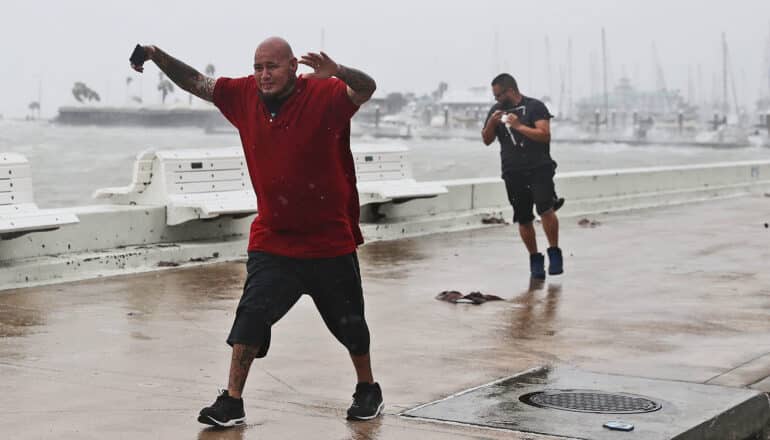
<point>530,188</point>
<point>274,283</point>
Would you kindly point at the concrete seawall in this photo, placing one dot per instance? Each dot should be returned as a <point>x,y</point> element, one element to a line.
<point>469,201</point>
<point>112,239</point>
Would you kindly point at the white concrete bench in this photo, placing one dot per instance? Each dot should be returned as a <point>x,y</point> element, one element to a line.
<point>384,176</point>
<point>192,184</point>
<point>19,214</point>
<point>205,184</point>
<point>141,177</point>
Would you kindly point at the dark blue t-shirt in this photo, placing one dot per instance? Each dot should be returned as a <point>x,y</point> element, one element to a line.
<point>519,152</point>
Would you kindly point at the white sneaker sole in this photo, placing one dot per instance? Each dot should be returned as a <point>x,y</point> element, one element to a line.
<point>376,413</point>
<point>233,422</point>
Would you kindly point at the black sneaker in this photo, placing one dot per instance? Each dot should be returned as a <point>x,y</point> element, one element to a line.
<point>367,402</point>
<point>226,411</point>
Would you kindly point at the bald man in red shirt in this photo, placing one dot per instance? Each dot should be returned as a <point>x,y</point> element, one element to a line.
<point>295,132</point>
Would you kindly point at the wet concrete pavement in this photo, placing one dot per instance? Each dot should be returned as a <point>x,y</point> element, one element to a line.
<point>678,293</point>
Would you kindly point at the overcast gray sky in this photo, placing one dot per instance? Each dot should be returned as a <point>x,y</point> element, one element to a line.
<point>406,45</point>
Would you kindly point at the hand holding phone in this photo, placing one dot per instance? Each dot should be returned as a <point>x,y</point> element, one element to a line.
<point>138,57</point>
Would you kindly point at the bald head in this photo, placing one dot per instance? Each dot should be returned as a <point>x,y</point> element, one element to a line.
<point>275,67</point>
<point>276,46</point>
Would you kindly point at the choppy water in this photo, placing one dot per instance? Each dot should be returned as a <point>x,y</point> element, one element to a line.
<point>69,163</point>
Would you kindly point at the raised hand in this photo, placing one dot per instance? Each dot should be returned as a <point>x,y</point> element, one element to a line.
<point>178,72</point>
<point>139,56</point>
<point>323,66</point>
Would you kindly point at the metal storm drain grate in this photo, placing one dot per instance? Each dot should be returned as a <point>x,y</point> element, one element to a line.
<point>591,401</point>
<point>563,401</point>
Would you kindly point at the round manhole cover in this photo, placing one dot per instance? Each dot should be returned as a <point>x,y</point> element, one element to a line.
<point>591,401</point>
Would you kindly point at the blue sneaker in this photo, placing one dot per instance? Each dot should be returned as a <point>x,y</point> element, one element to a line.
<point>555,261</point>
<point>537,266</point>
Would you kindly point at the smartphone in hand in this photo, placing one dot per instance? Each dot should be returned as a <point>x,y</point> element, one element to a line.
<point>138,56</point>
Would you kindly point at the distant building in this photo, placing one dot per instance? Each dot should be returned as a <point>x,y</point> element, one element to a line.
<point>462,108</point>
<point>625,100</point>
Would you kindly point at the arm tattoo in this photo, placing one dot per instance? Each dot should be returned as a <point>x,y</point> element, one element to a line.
<point>362,84</point>
<point>185,76</point>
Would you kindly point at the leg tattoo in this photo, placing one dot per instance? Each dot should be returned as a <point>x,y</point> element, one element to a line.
<point>243,355</point>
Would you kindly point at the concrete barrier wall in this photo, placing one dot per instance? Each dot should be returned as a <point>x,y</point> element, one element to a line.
<point>114,239</point>
<point>599,191</point>
<point>598,184</point>
<point>115,226</point>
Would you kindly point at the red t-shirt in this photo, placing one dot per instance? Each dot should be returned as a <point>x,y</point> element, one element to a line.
<point>300,165</point>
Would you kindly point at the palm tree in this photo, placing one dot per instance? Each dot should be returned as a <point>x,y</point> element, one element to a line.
<point>81,91</point>
<point>34,106</point>
<point>129,80</point>
<point>210,70</point>
<point>165,87</point>
<point>439,93</point>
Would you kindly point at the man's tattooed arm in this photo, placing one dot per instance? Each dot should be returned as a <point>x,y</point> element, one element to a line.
<point>183,75</point>
<point>360,85</point>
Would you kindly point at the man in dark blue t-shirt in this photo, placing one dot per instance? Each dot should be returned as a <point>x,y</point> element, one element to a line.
<point>522,125</point>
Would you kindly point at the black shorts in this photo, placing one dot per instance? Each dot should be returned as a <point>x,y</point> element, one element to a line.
<point>275,283</point>
<point>528,188</point>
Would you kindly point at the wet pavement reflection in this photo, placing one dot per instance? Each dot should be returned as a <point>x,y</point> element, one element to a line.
<point>364,430</point>
<point>538,307</point>
<point>235,433</point>
<point>17,320</point>
<point>394,258</point>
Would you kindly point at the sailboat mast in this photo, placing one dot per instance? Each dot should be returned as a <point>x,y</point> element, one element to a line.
<point>496,55</point>
<point>604,67</point>
<point>660,78</point>
<point>549,75</point>
<point>725,101</point>
<point>766,73</point>
<point>39,97</point>
<point>702,100</point>
<point>569,77</point>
